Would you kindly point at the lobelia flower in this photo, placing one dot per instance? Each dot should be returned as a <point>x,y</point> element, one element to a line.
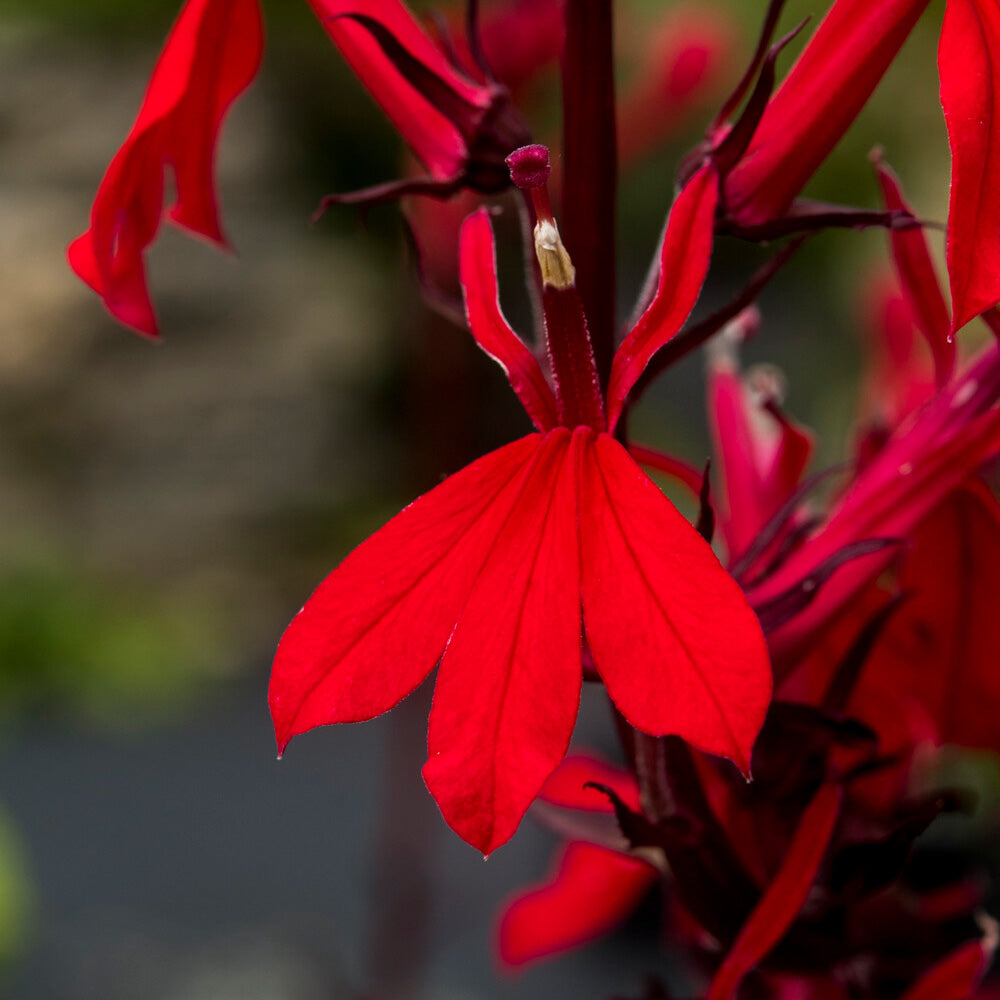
<point>593,887</point>
<point>211,56</point>
<point>458,127</point>
<point>917,463</point>
<point>501,570</point>
<point>781,141</point>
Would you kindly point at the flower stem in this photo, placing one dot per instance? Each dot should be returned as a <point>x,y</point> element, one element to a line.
<point>590,167</point>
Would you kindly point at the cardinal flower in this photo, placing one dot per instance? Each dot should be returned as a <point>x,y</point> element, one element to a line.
<point>459,128</point>
<point>780,142</point>
<point>504,570</point>
<point>594,886</point>
<point>211,56</point>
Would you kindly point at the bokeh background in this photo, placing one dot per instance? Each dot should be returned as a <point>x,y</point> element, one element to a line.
<point>165,510</point>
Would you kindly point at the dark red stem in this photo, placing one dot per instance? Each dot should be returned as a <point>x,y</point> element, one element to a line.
<point>590,167</point>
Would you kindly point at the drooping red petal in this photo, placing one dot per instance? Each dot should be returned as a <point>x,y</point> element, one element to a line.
<point>211,56</point>
<point>379,622</point>
<point>684,260</point>
<point>918,278</point>
<point>566,788</point>
<point>969,64</point>
<point>672,634</point>
<point>430,133</point>
<point>956,976</point>
<point>784,897</point>
<point>508,688</point>
<point>490,328</point>
<point>591,891</point>
<point>828,85</point>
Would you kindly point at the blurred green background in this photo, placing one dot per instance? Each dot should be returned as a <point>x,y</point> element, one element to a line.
<point>165,509</point>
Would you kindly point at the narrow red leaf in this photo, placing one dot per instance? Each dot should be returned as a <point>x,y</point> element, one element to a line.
<point>969,64</point>
<point>591,891</point>
<point>380,621</point>
<point>672,634</point>
<point>430,133</point>
<point>211,56</point>
<point>784,897</point>
<point>494,335</point>
<point>684,260</point>
<point>956,976</point>
<point>918,278</point>
<point>508,688</point>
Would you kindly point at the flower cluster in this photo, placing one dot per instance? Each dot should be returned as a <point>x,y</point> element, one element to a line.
<point>829,646</point>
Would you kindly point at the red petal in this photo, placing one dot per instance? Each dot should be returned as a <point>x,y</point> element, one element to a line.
<point>591,891</point>
<point>381,620</point>
<point>969,64</point>
<point>211,56</point>
<point>430,134</point>
<point>826,88</point>
<point>942,643</point>
<point>918,279</point>
<point>898,371</point>
<point>784,897</point>
<point>956,976</point>
<point>672,634</point>
<point>492,332</point>
<point>684,259</point>
<point>508,688</point>
<point>566,787</point>
<point>935,451</point>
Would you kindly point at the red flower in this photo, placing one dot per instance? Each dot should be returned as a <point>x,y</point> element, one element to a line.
<point>828,85</point>
<point>500,570</point>
<point>827,88</point>
<point>763,454</point>
<point>210,57</point>
<point>933,452</point>
<point>459,128</point>
<point>593,887</point>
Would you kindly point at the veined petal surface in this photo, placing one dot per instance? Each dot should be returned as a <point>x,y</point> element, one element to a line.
<point>508,689</point>
<point>671,632</point>
<point>380,621</point>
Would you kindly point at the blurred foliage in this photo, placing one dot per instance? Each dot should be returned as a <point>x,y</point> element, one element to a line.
<point>104,652</point>
<point>16,896</point>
